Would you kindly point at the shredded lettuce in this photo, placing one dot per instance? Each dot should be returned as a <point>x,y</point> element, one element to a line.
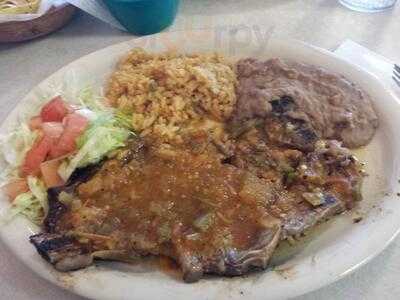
<point>104,135</point>
<point>32,204</point>
<point>28,205</point>
<point>108,130</point>
<point>88,99</point>
<point>124,120</point>
<point>13,148</point>
<point>39,191</point>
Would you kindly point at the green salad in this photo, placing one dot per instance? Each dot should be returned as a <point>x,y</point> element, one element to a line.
<point>44,151</point>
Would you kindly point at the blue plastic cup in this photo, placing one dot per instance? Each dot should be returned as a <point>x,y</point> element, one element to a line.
<point>142,17</point>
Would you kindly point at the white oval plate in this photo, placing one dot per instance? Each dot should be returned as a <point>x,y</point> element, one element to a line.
<point>333,250</point>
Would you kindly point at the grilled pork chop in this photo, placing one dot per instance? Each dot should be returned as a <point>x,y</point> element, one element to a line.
<point>315,179</point>
<point>209,216</point>
<point>161,202</point>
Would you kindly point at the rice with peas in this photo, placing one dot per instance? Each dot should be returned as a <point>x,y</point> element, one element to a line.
<point>170,93</point>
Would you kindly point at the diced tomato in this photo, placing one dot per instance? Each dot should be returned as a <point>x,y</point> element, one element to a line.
<point>15,188</point>
<point>76,122</point>
<point>55,110</point>
<point>50,175</point>
<point>53,129</point>
<point>36,155</point>
<point>35,123</point>
<point>74,125</point>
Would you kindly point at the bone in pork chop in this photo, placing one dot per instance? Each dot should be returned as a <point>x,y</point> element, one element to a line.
<point>307,189</point>
<point>164,202</point>
<point>313,179</point>
<point>209,217</point>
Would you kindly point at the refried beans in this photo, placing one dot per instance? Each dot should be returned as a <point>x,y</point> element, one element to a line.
<point>332,105</point>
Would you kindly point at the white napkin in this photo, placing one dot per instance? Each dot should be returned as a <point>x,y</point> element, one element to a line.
<point>97,9</point>
<point>370,61</point>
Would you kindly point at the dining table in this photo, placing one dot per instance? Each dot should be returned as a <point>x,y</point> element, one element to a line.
<point>322,23</point>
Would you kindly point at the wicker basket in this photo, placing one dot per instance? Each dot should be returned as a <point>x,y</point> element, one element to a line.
<point>54,19</point>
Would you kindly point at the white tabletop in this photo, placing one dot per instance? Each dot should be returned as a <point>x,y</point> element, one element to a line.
<point>323,23</point>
